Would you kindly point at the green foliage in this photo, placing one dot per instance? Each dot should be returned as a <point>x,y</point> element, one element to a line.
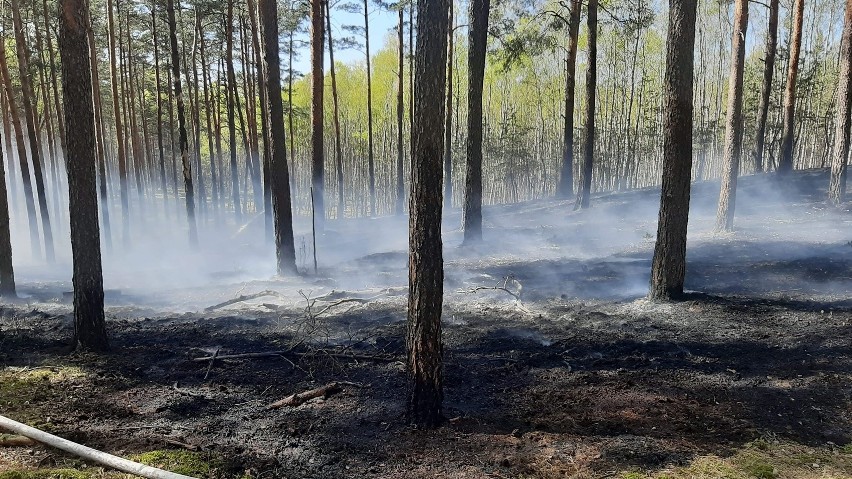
<point>182,462</point>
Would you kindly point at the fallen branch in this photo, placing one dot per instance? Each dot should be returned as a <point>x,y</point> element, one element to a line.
<point>88,453</point>
<point>240,299</point>
<point>285,353</point>
<point>15,441</point>
<point>212,360</point>
<point>499,287</point>
<point>303,397</point>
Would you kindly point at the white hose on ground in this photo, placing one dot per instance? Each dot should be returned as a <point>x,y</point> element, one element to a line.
<point>88,453</point>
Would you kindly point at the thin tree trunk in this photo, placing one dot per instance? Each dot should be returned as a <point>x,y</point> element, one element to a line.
<point>232,134</point>
<point>32,129</point>
<point>29,198</point>
<point>566,177</point>
<point>89,326</point>
<point>7,272</point>
<point>426,270</point>
<point>119,129</point>
<point>734,123</point>
<point>448,122</point>
<point>262,93</point>
<point>400,114</point>
<point>338,152</point>
<point>591,89</point>
<point>785,164</point>
<point>100,149</point>
<point>317,84</point>
<point>669,264</point>
<point>478,38</point>
<point>205,81</point>
<point>766,88</point>
<point>840,152</point>
<point>184,146</point>
<point>370,151</point>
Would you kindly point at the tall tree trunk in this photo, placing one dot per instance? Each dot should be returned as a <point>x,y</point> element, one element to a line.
<point>785,164</point>
<point>285,248</point>
<point>60,123</point>
<point>338,151</point>
<point>159,99</point>
<point>591,89</point>
<point>196,118</point>
<point>290,103</point>
<point>426,269</point>
<point>317,84</point>
<point>119,129</point>
<point>448,122</point>
<point>182,140</point>
<point>478,39</point>
<point>400,114</point>
<point>232,134</point>
<point>7,272</point>
<point>371,165</point>
<point>208,105</point>
<point>840,152</point>
<point>734,123</point>
<point>766,88</point>
<point>100,149</point>
<point>566,177</point>
<point>27,98</point>
<point>669,264</point>
<point>89,324</point>
<point>262,93</point>
<point>29,199</point>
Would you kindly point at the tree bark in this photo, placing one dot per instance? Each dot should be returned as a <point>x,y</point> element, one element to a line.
<point>89,324</point>
<point>285,249</point>
<point>478,39</point>
<point>785,164</point>
<point>100,148</point>
<point>591,88</point>
<point>669,264</point>
<point>766,88</point>
<point>426,270</point>
<point>317,84</point>
<point>7,272</point>
<point>28,101</point>
<point>734,123</point>
<point>840,151</point>
<point>182,139</point>
<point>566,177</point>
<point>232,134</point>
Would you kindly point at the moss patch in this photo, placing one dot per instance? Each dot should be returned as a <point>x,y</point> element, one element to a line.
<point>46,474</point>
<point>179,461</point>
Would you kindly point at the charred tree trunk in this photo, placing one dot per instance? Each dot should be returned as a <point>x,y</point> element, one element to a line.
<point>426,269</point>
<point>566,177</point>
<point>89,324</point>
<point>785,164</point>
<point>28,101</point>
<point>285,248</point>
<point>182,139</point>
<point>840,152</point>
<point>317,81</point>
<point>262,92</point>
<point>478,39</point>
<point>669,264</point>
<point>766,88</point>
<point>591,89</point>
<point>734,123</point>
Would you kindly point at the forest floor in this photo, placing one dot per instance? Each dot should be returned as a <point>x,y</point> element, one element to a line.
<point>562,370</point>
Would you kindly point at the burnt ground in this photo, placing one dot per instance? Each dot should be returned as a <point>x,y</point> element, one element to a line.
<point>580,377</point>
